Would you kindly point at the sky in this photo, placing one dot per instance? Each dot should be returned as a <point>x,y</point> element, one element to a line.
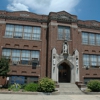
<point>83,9</point>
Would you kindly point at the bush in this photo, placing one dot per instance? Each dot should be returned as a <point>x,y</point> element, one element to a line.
<point>31,87</point>
<point>23,86</point>
<point>94,85</point>
<point>15,87</point>
<point>46,85</point>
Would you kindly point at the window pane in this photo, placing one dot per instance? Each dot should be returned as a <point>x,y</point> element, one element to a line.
<point>99,60</point>
<point>67,33</point>
<point>6,53</point>
<point>9,34</point>
<point>27,29</point>
<point>9,27</point>
<point>18,31</point>
<point>85,38</point>
<point>27,32</point>
<point>86,60</point>
<point>18,28</point>
<point>16,53</point>
<point>25,53</point>
<point>97,39</point>
<point>27,36</point>
<point>63,32</point>
<point>93,60</point>
<point>25,56</point>
<point>34,54</point>
<point>92,39</point>
<point>60,33</point>
<point>36,33</point>
<point>9,31</point>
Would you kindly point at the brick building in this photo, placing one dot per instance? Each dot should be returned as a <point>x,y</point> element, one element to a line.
<point>58,45</point>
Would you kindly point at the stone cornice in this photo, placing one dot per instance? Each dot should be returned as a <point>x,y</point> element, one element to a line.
<point>88,26</point>
<point>63,18</point>
<point>23,18</point>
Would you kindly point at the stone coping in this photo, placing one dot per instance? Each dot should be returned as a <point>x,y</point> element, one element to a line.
<point>30,93</point>
<point>92,93</point>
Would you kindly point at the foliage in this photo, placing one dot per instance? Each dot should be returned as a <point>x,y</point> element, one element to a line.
<point>15,87</point>
<point>23,86</point>
<point>4,66</point>
<point>31,87</point>
<point>94,85</point>
<point>46,85</point>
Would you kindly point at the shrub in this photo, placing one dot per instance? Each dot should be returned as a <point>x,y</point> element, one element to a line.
<point>15,87</point>
<point>46,85</point>
<point>94,85</point>
<point>31,87</point>
<point>23,86</point>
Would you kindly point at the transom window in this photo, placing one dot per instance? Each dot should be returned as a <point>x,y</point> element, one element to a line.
<point>63,33</point>
<point>25,32</point>
<point>91,60</point>
<point>21,56</point>
<point>90,38</point>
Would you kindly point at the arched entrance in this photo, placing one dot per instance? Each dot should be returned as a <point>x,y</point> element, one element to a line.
<point>64,73</point>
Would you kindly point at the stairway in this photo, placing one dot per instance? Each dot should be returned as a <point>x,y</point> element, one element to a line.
<point>69,88</point>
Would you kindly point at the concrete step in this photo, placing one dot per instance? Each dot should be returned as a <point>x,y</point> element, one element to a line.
<point>69,88</point>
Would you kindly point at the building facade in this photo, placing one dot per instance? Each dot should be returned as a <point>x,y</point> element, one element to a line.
<point>58,45</point>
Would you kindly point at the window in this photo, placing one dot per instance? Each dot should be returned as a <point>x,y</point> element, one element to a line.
<point>18,31</point>
<point>15,56</point>
<point>85,38</point>
<point>34,54</point>
<point>6,53</point>
<point>35,58</point>
<point>63,33</point>
<point>91,60</point>
<point>90,38</point>
<point>25,32</point>
<point>86,60</point>
<point>9,31</point>
<point>98,39</point>
<point>17,79</point>
<point>25,57</point>
<point>36,33</point>
<point>98,60</point>
<point>21,56</point>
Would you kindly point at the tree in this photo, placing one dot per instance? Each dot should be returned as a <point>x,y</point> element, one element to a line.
<point>4,66</point>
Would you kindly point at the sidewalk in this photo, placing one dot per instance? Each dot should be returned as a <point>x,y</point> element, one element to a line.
<point>48,97</point>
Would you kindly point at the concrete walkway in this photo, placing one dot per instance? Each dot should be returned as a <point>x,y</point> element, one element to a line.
<point>69,88</point>
<point>48,97</point>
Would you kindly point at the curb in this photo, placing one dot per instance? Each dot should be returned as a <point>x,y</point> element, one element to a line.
<point>30,93</point>
<point>92,93</point>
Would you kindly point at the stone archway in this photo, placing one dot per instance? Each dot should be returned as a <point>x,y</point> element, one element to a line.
<point>71,61</point>
<point>64,74</point>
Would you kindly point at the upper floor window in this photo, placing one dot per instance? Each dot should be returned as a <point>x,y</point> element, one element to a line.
<point>36,33</point>
<point>25,32</point>
<point>21,56</point>
<point>91,60</point>
<point>90,38</point>
<point>63,33</point>
<point>98,39</point>
<point>9,31</point>
<point>85,38</point>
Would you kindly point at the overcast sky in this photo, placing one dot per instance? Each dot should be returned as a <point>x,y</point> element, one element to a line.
<point>84,9</point>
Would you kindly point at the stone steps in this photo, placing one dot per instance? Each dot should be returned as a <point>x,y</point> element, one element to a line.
<point>69,88</point>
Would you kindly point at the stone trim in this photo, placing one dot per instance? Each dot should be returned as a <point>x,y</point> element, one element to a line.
<point>88,26</point>
<point>22,18</point>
